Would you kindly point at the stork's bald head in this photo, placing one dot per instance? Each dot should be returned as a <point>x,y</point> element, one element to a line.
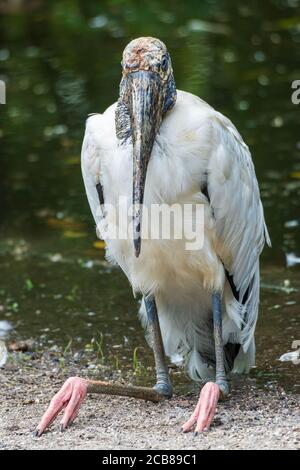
<point>147,92</point>
<point>149,54</point>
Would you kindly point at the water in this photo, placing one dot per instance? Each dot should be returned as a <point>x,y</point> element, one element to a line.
<point>61,61</point>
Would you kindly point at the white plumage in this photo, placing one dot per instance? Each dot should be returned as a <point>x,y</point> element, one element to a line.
<point>196,147</point>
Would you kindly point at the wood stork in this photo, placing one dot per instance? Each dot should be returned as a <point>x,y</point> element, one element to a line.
<point>162,145</point>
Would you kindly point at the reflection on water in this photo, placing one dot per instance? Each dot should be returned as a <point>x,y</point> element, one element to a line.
<point>60,61</point>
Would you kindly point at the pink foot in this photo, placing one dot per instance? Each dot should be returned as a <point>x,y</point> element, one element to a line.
<point>205,409</point>
<point>70,397</point>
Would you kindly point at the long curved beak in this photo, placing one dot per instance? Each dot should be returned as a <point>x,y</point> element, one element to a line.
<point>146,112</point>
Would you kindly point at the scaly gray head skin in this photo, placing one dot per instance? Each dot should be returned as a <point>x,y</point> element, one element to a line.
<point>147,92</point>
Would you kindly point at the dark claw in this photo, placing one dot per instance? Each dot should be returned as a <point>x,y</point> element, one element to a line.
<point>36,433</point>
<point>196,433</point>
<point>62,428</point>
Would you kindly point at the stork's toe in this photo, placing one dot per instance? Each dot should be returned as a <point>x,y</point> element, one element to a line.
<point>205,410</point>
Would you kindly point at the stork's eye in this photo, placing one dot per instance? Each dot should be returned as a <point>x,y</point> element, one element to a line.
<point>164,64</point>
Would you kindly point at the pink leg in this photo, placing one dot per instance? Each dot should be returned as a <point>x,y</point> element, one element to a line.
<point>70,397</point>
<point>205,409</point>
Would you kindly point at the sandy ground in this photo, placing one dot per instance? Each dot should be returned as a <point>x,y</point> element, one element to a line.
<point>251,419</point>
